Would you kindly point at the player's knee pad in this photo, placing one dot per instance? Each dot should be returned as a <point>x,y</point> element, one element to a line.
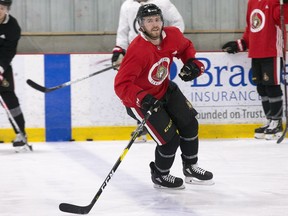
<point>190,130</point>
<point>274,91</point>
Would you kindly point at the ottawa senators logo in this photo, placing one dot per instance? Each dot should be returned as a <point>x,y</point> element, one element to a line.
<point>265,77</point>
<point>160,74</point>
<point>5,83</point>
<point>257,20</point>
<point>159,71</point>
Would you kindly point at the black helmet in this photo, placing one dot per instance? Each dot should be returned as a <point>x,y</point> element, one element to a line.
<point>6,2</point>
<point>148,10</point>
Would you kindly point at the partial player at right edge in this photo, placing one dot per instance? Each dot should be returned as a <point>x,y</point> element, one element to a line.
<point>263,39</point>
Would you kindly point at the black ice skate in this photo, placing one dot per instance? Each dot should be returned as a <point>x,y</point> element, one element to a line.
<point>196,175</point>
<point>274,131</point>
<point>165,181</point>
<point>20,143</point>
<point>259,132</point>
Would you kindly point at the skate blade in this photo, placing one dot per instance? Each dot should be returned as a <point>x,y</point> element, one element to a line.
<point>273,136</point>
<point>169,188</point>
<point>259,135</point>
<point>25,148</point>
<point>195,181</point>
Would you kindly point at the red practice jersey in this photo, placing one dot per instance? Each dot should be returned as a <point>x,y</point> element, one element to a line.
<point>263,34</point>
<point>145,67</point>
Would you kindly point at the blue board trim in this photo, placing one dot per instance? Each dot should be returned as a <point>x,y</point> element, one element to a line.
<point>58,102</point>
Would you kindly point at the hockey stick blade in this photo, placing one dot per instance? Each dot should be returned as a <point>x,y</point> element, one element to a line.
<point>37,86</point>
<point>70,208</point>
<point>282,136</point>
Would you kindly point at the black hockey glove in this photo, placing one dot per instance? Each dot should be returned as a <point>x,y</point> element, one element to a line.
<point>191,70</point>
<point>150,102</point>
<point>234,46</point>
<point>117,56</point>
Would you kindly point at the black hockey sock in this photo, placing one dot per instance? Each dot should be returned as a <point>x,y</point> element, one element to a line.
<point>266,106</point>
<point>165,155</point>
<point>163,162</point>
<point>20,122</point>
<point>276,107</point>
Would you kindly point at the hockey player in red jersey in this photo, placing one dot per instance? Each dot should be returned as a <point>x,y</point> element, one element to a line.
<point>142,83</point>
<point>263,39</point>
<point>128,29</point>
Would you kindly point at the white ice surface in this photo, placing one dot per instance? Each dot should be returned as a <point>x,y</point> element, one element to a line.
<point>251,179</point>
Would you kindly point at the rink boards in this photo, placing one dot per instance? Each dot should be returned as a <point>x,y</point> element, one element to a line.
<point>225,98</point>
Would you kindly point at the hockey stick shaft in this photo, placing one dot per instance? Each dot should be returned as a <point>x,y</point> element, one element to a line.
<point>70,208</point>
<point>46,90</point>
<point>284,71</point>
<point>12,120</point>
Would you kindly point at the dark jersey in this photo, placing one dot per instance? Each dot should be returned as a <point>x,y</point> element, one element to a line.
<point>9,36</point>
<point>145,67</point>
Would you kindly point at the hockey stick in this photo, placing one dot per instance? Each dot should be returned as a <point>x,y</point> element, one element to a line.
<point>70,208</point>
<point>46,90</point>
<point>12,120</point>
<point>284,71</point>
